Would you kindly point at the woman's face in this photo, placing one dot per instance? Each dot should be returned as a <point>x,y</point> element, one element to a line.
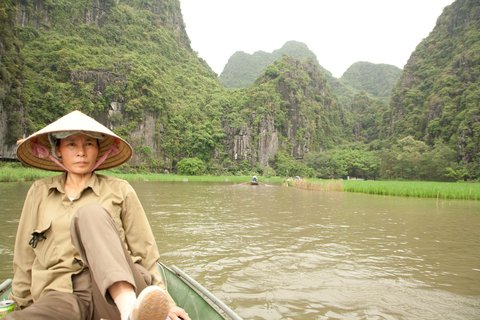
<point>78,153</point>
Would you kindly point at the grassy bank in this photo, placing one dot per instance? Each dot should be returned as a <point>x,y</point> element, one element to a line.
<point>420,189</point>
<point>14,172</point>
<point>179,178</point>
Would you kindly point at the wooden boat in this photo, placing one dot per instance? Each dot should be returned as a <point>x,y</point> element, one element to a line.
<point>189,294</point>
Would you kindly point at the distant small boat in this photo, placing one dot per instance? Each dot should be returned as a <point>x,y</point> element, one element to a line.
<point>187,293</point>
<point>254,183</point>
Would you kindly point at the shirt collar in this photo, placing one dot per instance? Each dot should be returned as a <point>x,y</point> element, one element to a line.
<point>94,184</point>
<point>59,183</point>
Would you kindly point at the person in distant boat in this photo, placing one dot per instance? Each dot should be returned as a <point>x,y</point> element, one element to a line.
<point>254,180</point>
<point>84,247</point>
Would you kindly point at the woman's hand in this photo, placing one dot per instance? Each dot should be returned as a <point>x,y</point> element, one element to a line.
<point>177,313</point>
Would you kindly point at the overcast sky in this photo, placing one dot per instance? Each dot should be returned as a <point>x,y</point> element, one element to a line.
<point>339,32</point>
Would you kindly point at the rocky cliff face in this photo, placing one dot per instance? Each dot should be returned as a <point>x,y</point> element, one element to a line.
<point>267,142</point>
<point>255,144</point>
<point>47,14</point>
<point>7,150</point>
<point>42,14</point>
<point>32,19</point>
<point>11,103</point>
<point>295,112</point>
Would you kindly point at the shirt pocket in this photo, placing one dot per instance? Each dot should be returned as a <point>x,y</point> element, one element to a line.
<point>44,246</point>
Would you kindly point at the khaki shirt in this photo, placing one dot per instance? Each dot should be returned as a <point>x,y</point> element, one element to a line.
<point>47,209</point>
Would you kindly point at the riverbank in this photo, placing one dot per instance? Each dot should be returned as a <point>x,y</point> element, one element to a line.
<point>418,189</point>
<point>13,173</point>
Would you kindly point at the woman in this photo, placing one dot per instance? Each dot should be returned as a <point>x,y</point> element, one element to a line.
<point>84,248</point>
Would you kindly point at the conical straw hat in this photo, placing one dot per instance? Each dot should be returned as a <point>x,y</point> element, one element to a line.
<point>27,149</point>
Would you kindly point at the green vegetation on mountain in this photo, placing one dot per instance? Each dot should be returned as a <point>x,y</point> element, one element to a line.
<point>375,79</point>
<point>129,64</point>
<point>11,64</point>
<point>119,60</point>
<point>437,99</point>
<point>243,69</point>
<point>363,90</point>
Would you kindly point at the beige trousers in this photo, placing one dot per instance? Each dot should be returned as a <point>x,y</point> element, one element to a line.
<point>106,261</point>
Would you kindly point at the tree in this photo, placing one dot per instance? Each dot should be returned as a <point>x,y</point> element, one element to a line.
<point>191,167</point>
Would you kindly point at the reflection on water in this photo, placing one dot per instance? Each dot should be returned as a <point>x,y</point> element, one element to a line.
<point>277,253</point>
<point>11,201</point>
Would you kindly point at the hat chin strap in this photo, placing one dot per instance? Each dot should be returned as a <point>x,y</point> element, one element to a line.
<point>41,151</point>
<point>113,150</point>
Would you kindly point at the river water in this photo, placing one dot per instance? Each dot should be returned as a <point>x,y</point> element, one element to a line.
<point>273,252</point>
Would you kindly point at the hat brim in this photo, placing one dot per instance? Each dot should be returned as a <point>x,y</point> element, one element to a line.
<point>74,121</point>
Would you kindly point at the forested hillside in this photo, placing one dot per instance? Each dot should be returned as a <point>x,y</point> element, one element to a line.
<point>363,90</point>
<point>243,69</point>
<point>376,79</point>
<point>437,100</point>
<point>129,64</point>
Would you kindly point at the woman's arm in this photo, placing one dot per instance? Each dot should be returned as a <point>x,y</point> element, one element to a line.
<point>23,255</point>
<point>138,233</point>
